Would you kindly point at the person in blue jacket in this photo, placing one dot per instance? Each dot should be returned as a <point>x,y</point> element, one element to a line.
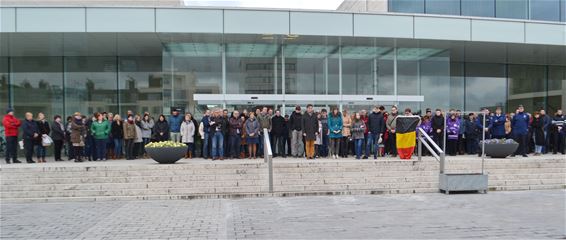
<point>497,124</point>
<point>520,126</point>
<point>335,129</point>
<point>175,121</point>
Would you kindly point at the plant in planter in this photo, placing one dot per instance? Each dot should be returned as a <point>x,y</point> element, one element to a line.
<point>166,152</point>
<point>499,148</point>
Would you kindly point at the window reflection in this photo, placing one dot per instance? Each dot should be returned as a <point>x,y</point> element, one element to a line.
<point>253,68</point>
<point>91,84</point>
<point>37,85</point>
<point>141,85</point>
<point>484,84</point>
<point>4,82</point>
<point>309,67</point>
<point>367,70</point>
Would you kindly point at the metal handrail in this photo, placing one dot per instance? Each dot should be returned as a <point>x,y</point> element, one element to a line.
<point>268,157</point>
<point>440,156</point>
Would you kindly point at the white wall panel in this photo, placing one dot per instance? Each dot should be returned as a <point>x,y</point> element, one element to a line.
<point>189,20</point>
<point>368,25</point>
<point>50,19</point>
<point>442,28</point>
<point>120,19</point>
<point>326,24</point>
<point>256,22</point>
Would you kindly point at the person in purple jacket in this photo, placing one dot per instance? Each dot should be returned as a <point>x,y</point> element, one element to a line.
<point>452,131</point>
<point>426,125</point>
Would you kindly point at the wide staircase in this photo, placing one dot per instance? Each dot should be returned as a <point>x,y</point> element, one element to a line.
<point>189,179</point>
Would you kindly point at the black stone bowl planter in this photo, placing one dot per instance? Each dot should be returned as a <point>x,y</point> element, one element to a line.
<point>500,150</point>
<point>166,155</point>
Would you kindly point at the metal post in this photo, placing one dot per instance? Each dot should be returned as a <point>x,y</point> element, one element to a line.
<point>420,150</point>
<point>483,144</point>
<point>268,157</point>
<point>444,133</point>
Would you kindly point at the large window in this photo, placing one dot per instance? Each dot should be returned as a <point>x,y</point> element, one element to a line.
<point>479,8</point>
<point>556,88</point>
<point>434,69</point>
<point>457,85</point>
<point>311,69</point>
<point>547,10</point>
<point>563,10</point>
<point>188,69</point>
<point>407,6</point>
<point>485,85</point>
<point>91,84</point>
<point>4,82</point>
<point>367,70</point>
<point>37,85</point>
<point>527,86</point>
<point>511,9</point>
<point>141,84</point>
<point>253,68</point>
<point>450,7</point>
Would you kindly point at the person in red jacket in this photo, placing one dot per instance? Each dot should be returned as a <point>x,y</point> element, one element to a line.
<point>11,125</point>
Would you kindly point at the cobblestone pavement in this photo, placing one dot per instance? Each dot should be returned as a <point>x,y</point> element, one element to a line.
<point>521,214</point>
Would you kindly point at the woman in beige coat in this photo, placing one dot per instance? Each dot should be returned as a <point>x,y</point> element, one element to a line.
<point>346,133</point>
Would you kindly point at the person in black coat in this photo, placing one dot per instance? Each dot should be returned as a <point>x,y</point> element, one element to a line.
<point>117,131</point>
<point>58,136</point>
<point>161,129</point>
<point>537,127</point>
<point>310,130</point>
<point>438,128</point>
<point>278,131</point>
<point>31,134</point>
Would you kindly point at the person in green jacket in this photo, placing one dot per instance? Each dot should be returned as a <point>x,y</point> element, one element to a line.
<point>100,130</point>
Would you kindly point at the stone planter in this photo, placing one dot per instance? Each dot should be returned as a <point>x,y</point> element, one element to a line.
<point>500,150</point>
<point>166,155</point>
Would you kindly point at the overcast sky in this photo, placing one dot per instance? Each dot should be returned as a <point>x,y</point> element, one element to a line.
<point>294,4</point>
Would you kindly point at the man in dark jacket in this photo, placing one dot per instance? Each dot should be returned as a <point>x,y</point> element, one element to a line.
<point>438,128</point>
<point>310,130</point>
<point>559,132</point>
<point>58,136</point>
<point>175,121</point>
<point>11,125</point>
<point>235,132</point>
<point>278,126</point>
<point>479,122</point>
<point>296,128</point>
<point>31,133</point>
<point>547,123</point>
<point>376,126</point>
<point>497,124</point>
<point>520,126</point>
<point>471,133</point>
<point>217,129</point>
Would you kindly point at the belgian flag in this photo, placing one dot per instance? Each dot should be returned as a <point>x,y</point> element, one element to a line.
<point>406,135</point>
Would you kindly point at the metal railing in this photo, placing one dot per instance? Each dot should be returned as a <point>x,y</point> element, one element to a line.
<point>435,150</point>
<point>268,157</point>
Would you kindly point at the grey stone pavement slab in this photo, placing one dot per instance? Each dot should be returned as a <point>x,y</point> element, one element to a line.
<point>510,215</point>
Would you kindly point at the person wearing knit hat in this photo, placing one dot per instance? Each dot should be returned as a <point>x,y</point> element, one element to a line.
<point>9,110</point>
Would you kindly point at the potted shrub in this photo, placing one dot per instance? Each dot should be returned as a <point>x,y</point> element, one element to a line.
<point>166,152</point>
<point>499,148</point>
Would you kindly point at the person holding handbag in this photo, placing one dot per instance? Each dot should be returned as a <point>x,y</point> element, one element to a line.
<point>43,140</point>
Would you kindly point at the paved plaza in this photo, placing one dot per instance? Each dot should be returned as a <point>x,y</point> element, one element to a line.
<point>520,214</point>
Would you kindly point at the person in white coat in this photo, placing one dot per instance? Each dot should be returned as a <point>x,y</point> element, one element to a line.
<point>188,127</point>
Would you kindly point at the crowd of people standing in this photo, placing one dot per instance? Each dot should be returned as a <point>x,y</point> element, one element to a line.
<point>308,133</point>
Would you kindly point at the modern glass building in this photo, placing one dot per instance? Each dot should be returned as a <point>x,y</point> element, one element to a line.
<point>63,59</point>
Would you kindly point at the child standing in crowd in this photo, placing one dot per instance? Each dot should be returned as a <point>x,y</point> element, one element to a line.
<point>358,128</point>
<point>147,124</point>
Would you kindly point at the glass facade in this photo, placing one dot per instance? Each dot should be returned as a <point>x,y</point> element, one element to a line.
<point>294,67</point>
<point>545,10</point>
